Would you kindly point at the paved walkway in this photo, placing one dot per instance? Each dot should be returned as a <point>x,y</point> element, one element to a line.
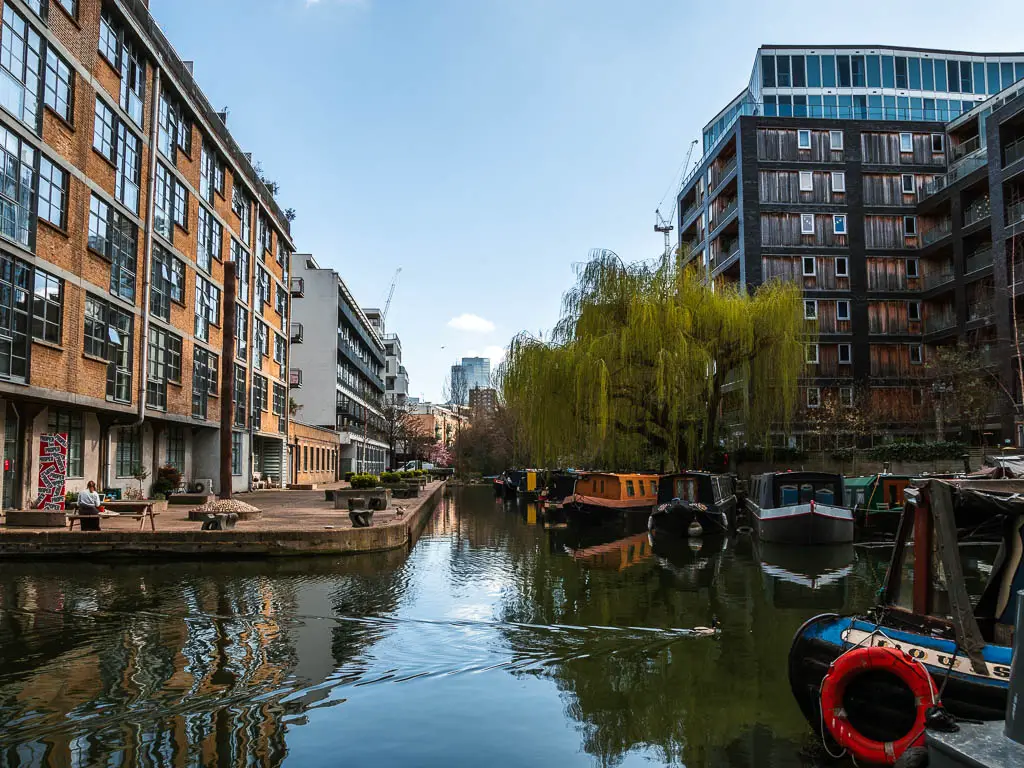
<point>283,510</point>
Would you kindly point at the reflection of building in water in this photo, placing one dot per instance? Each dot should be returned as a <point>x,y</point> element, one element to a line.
<point>620,554</point>
<point>144,667</point>
<point>203,670</point>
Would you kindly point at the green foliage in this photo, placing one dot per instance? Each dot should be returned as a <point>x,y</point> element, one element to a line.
<point>364,480</point>
<point>781,455</point>
<point>907,450</point>
<point>71,498</point>
<point>843,454</point>
<point>390,477</point>
<point>158,497</point>
<point>167,479</point>
<point>635,371</point>
<point>348,476</point>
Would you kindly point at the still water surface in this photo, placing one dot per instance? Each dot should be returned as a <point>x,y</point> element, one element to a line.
<point>494,641</point>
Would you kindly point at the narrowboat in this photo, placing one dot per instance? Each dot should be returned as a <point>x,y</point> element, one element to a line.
<point>560,486</point>
<point>799,508</point>
<point>876,500</point>
<point>925,609</point>
<point>613,492</point>
<point>529,486</point>
<point>510,482</point>
<point>694,503</point>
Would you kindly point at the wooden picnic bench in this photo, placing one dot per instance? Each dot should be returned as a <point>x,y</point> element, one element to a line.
<point>132,510</point>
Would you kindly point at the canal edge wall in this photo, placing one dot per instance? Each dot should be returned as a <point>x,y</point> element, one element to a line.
<point>200,544</point>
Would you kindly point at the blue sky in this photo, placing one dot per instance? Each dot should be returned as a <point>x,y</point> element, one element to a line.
<point>485,145</point>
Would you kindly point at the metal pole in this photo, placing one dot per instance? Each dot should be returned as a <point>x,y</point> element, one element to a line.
<point>227,380</point>
<point>1015,700</point>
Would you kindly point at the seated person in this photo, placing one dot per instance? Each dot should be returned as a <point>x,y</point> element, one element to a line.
<point>89,504</point>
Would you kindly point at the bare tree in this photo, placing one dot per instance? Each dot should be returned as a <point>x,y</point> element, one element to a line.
<point>456,388</point>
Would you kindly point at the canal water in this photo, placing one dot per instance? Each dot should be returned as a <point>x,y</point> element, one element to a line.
<point>494,641</point>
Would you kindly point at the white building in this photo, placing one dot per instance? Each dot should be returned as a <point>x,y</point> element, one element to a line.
<point>337,367</point>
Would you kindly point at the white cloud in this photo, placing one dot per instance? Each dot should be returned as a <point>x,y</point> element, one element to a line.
<point>471,323</point>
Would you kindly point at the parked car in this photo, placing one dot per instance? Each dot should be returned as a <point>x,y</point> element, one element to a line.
<point>409,465</point>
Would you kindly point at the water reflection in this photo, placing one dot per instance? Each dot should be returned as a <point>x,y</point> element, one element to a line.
<point>495,638</point>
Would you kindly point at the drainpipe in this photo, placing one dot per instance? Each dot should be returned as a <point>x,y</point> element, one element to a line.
<point>154,129</point>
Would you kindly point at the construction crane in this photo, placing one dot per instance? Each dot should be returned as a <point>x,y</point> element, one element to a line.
<point>391,295</point>
<point>661,223</point>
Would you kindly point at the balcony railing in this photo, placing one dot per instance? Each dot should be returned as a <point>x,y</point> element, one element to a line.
<point>962,150</point>
<point>717,176</point>
<point>726,212</point>
<point>936,323</point>
<point>935,279</point>
<point>936,233</point>
<point>980,259</point>
<point>976,211</point>
<point>725,254</point>
<point>1013,152</point>
<point>691,210</point>
<point>1015,213</point>
<point>939,183</point>
<point>980,309</point>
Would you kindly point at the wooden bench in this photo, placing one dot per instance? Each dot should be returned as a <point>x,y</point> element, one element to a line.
<point>132,510</point>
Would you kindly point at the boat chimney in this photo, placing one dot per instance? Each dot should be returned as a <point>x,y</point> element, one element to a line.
<point>967,463</point>
<point>885,467</point>
<point>1015,700</point>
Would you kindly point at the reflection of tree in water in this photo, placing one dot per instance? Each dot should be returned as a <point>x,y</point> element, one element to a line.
<point>676,699</point>
<point>171,664</point>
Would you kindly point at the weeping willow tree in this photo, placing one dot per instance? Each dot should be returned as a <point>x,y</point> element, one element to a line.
<point>635,371</point>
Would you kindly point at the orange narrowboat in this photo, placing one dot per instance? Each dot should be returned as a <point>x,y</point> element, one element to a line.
<point>610,491</point>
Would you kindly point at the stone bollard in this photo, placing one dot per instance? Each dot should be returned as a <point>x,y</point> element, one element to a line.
<point>1015,697</point>
<point>361,518</point>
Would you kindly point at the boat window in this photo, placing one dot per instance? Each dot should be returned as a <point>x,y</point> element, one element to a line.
<point>825,496</point>
<point>806,493</point>
<point>860,496</point>
<point>602,485</point>
<point>789,495</point>
<point>686,489</point>
<point>629,488</point>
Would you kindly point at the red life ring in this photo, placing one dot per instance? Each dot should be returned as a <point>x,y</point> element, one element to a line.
<point>853,663</point>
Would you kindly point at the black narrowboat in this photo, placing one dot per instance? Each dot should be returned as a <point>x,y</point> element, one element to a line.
<point>799,508</point>
<point>694,504</point>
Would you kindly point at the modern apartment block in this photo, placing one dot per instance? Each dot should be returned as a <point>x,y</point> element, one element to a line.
<point>472,373</point>
<point>337,368</point>
<point>864,175</point>
<point>124,196</point>
<point>396,377</point>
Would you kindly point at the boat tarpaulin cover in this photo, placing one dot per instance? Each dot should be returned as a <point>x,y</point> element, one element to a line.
<point>968,635</point>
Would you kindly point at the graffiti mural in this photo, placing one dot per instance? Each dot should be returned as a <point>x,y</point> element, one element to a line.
<point>53,470</point>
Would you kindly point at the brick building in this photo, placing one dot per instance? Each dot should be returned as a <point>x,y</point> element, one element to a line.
<point>126,195</point>
<point>313,454</point>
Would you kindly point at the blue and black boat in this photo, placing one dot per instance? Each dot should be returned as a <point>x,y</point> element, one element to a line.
<point>925,609</point>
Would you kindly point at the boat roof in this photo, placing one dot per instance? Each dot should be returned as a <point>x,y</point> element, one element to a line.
<point>622,474</point>
<point>802,475</point>
<point>859,482</point>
